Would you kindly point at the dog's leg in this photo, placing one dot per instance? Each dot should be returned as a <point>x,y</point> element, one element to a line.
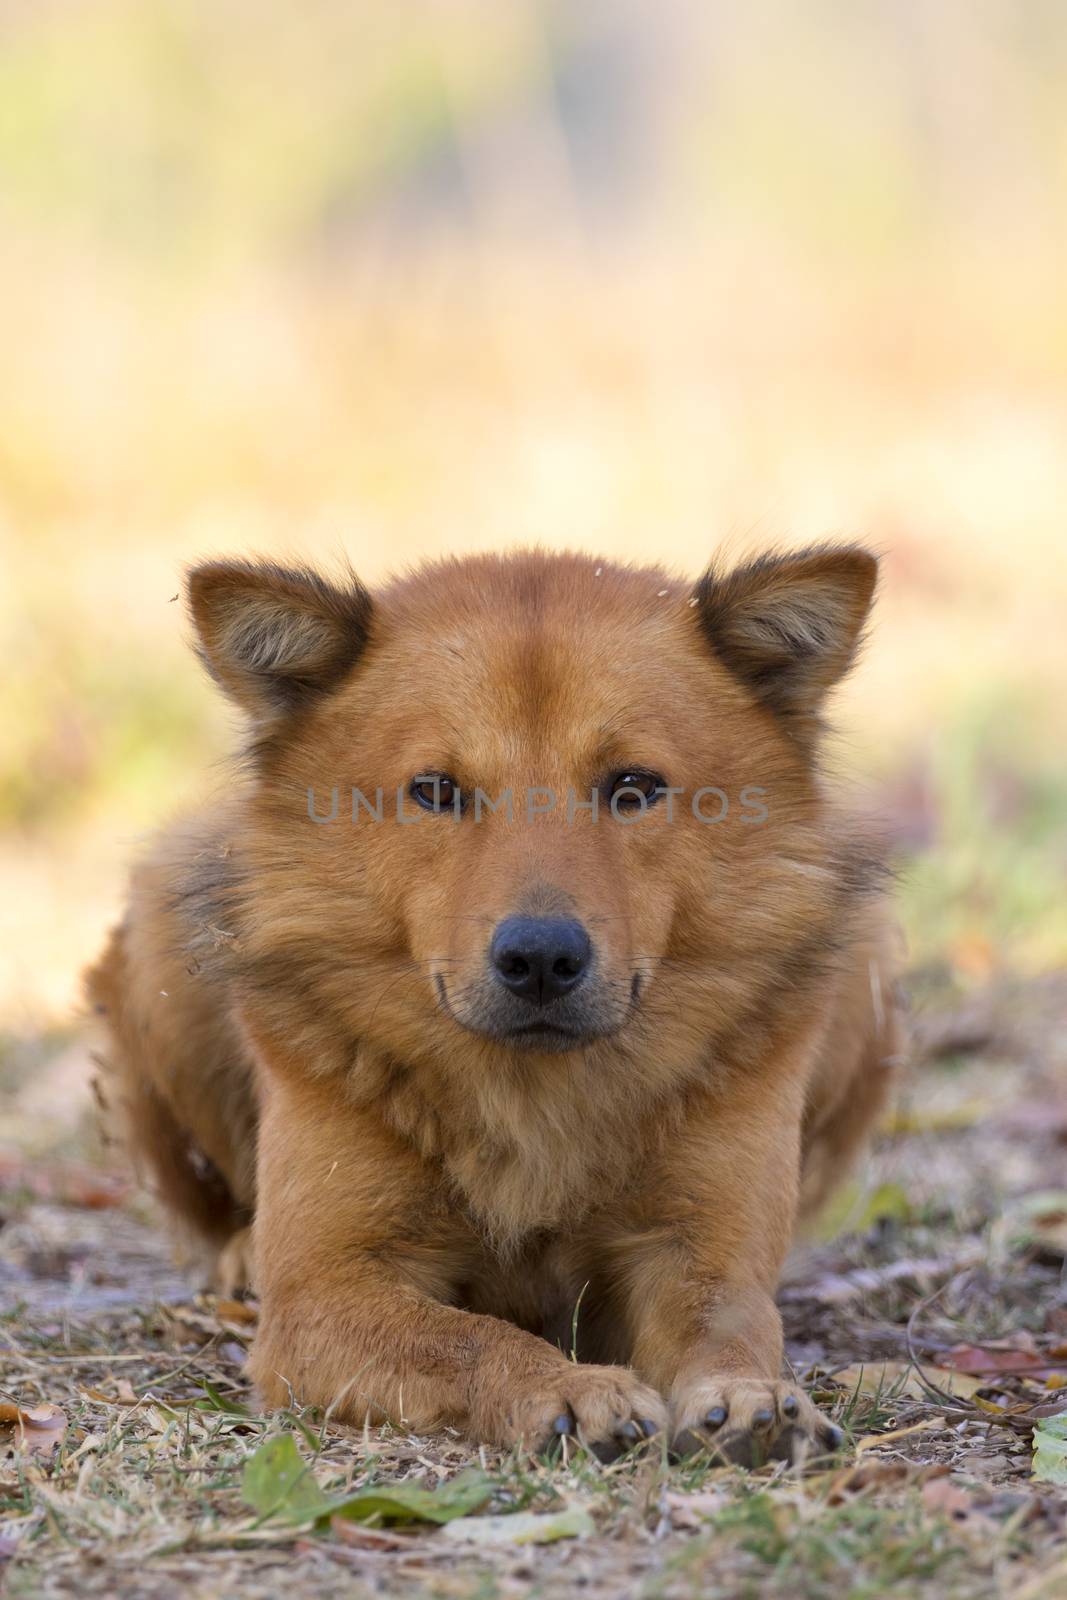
<point>698,1276</point>
<point>865,1043</point>
<point>358,1252</point>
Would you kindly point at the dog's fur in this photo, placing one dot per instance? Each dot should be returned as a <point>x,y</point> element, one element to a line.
<point>305,1038</point>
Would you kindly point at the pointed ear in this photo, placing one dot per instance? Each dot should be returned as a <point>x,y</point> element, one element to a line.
<point>275,637</point>
<point>788,626</point>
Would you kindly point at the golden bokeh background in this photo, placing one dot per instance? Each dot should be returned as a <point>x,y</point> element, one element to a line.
<point>649,279</point>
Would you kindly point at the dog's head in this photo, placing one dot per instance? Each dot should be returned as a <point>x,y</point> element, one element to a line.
<point>536,799</point>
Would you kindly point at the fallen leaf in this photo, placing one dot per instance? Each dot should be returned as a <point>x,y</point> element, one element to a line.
<point>236,1311</point>
<point>277,1482</point>
<point>873,1441</point>
<point>190,1318</point>
<point>410,1502</point>
<point>1050,1449</point>
<point>32,1430</point>
<point>998,1358</point>
<point>523,1527</point>
<point>903,1380</point>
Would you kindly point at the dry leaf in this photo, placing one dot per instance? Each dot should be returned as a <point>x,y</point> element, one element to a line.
<point>997,1358</point>
<point>236,1311</point>
<point>873,1441</point>
<point>32,1430</point>
<point>902,1380</point>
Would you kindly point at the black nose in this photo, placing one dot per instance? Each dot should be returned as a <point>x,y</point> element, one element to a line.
<point>540,958</point>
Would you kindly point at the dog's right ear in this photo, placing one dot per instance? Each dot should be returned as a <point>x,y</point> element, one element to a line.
<point>275,637</point>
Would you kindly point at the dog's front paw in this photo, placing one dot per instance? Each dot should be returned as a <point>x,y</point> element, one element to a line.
<point>606,1409</point>
<point>749,1421</point>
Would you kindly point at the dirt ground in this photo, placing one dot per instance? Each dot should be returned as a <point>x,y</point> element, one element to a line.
<point>931,1321</point>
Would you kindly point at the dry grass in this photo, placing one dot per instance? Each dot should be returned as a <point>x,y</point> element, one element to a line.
<point>933,1495</point>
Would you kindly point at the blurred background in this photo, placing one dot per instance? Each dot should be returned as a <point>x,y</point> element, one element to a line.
<point>648,279</point>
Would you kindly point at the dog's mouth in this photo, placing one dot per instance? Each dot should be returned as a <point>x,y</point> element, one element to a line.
<point>546,1035</point>
<point>574,1030</point>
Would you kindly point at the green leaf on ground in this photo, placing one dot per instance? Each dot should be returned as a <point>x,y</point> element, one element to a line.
<point>524,1527</point>
<point>277,1482</point>
<point>217,1402</point>
<point>409,1502</point>
<point>1050,1449</point>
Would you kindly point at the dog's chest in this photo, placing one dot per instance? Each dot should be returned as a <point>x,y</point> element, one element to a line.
<point>523,1157</point>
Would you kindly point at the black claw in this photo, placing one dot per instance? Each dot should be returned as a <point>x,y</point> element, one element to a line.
<point>832,1436</point>
<point>562,1425</point>
<point>715,1417</point>
<point>648,1427</point>
<point>790,1405</point>
<point>686,1443</point>
<point>628,1431</point>
<point>762,1419</point>
<point>605,1450</point>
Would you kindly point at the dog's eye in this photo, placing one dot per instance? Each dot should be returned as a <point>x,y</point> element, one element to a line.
<point>436,792</point>
<point>629,791</point>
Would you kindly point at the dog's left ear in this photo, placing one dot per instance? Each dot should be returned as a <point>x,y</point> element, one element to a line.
<point>788,626</point>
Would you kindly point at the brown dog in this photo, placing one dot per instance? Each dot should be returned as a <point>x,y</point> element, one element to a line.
<point>499,1085</point>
